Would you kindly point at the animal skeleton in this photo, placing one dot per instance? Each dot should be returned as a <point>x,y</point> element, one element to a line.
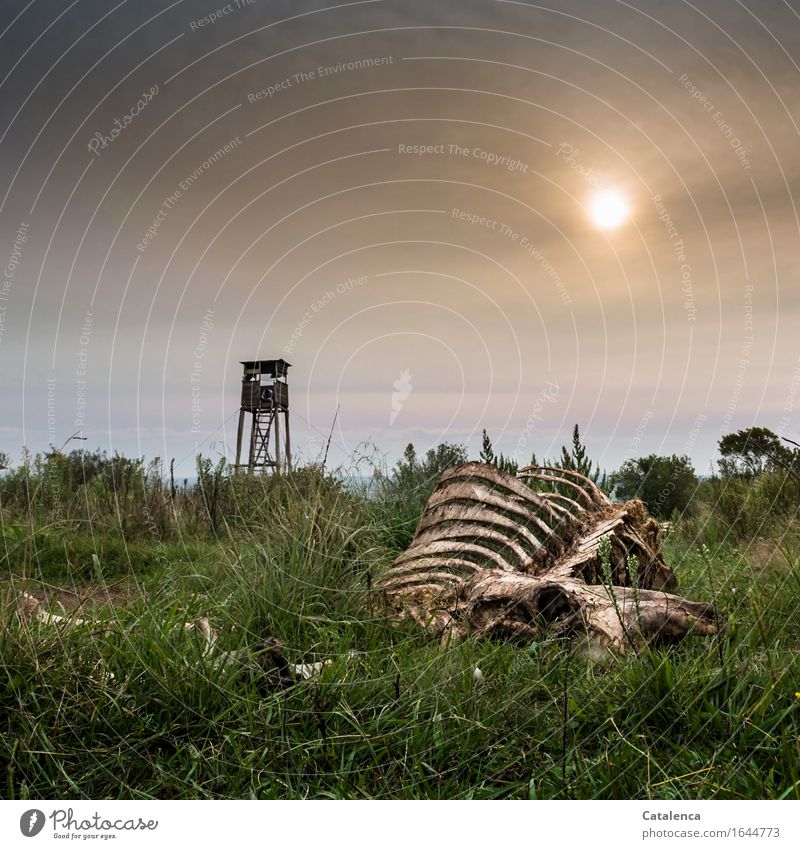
<point>494,555</point>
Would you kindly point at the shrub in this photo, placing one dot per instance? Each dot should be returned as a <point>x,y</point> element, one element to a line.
<point>749,507</point>
<point>402,493</point>
<point>665,484</point>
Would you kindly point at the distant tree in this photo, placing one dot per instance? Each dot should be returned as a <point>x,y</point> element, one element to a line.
<point>665,484</point>
<point>487,455</point>
<point>756,450</point>
<point>405,475</point>
<point>487,451</point>
<point>576,458</point>
<point>442,457</point>
<point>507,464</point>
<point>414,477</point>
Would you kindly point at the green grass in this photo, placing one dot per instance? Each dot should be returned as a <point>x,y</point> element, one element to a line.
<point>393,715</point>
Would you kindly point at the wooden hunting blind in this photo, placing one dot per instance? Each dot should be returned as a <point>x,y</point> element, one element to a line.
<point>265,397</point>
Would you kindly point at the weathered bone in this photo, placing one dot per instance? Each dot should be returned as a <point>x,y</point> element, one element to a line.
<point>495,556</point>
<point>266,658</point>
<point>30,608</point>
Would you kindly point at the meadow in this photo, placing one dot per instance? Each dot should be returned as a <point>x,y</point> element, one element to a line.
<point>138,711</point>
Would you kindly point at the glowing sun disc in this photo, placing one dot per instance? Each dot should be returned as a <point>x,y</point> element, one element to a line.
<point>608,209</point>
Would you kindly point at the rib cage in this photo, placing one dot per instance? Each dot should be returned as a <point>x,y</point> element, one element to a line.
<point>481,521</point>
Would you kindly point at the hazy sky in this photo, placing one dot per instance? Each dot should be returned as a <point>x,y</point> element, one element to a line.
<point>395,197</point>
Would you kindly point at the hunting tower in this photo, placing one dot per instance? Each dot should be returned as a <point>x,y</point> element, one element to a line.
<point>265,396</point>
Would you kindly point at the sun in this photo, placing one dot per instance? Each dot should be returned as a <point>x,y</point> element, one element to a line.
<point>608,209</point>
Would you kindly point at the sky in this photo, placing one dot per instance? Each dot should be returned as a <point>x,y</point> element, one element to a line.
<point>400,199</point>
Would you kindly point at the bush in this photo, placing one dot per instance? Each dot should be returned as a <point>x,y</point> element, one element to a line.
<point>665,484</point>
<point>403,493</point>
<point>749,507</point>
<point>759,482</point>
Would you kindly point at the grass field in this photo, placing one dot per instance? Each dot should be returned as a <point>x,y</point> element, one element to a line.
<point>393,715</point>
